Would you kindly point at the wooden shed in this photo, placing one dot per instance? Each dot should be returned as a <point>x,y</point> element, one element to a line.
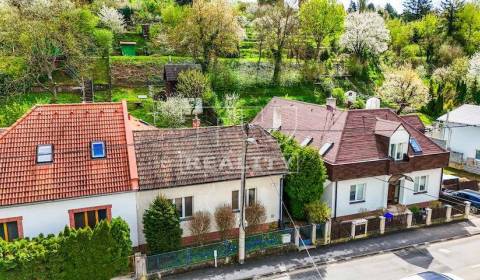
<point>170,75</point>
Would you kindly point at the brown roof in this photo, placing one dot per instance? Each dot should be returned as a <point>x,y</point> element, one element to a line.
<point>386,128</point>
<point>178,157</point>
<point>352,132</point>
<point>73,173</point>
<point>171,71</point>
<point>415,121</point>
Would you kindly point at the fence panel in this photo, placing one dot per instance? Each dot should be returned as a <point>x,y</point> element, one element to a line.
<point>439,214</point>
<point>419,218</point>
<point>397,222</point>
<point>373,225</point>
<point>191,256</point>
<point>458,211</point>
<point>341,230</point>
<point>306,235</point>
<point>320,231</point>
<point>269,240</point>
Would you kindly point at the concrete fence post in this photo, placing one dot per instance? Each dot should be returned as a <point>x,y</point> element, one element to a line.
<point>467,209</point>
<point>409,218</point>
<point>297,237</point>
<point>429,216</point>
<point>448,215</point>
<point>327,231</point>
<point>314,234</point>
<point>352,230</point>
<point>140,266</point>
<point>382,224</point>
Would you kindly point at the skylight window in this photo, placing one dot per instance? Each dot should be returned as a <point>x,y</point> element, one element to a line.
<point>306,141</point>
<point>325,148</point>
<point>45,153</point>
<point>417,149</point>
<point>98,149</point>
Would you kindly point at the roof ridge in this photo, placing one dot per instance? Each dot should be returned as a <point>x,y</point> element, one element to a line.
<point>323,106</point>
<point>78,104</point>
<point>384,120</point>
<point>17,122</point>
<point>190,128</point>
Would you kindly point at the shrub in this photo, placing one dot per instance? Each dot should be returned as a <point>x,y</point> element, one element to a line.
<point>339,94</point>
<point>199,225</point>
<point>254,215</point>
<point>161,224</point>
<point>317,212</point>
<point>101,253</point>
<point>225,220</point>
<point>192,84</point>
<point>414,209</point>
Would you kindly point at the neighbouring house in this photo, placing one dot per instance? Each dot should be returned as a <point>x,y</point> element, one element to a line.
<point>200,169</point>
<point>375,159</point>
<point>459,130</point>
<point>67,165</point>
<point>170,76</point>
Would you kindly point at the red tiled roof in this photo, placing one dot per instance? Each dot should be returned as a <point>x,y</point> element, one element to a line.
<point>179,157</point>
<point>352,132</point>
<point>70,128</point>
<point>415,121</point>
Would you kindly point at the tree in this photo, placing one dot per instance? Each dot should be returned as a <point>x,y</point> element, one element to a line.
<point>192,84</point>
<point>255,215</point>
<point>416,9</point>
<point>469,26</point>
<point>450,9</point>
<point>474,67</point>
<point>400,33</point>
<point>279,23</point>
<point>209,29</point>
<point>112,19</point>
<point>391,10</point>
<point>403,89</point>
<point>161,226</point>
<point>199,225</point>
<point>365,34</point>
<point>428,29</point>
<point>317,212</point>
<point>352,7</point>
<point>321,19</point>
<point>172,111</point>
<point>225,220</point>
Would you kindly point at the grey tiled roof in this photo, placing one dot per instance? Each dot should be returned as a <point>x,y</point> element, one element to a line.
<point>179,157</point>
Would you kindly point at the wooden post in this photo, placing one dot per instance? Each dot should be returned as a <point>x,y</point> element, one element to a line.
<point>448,217</point>
<point>314,234</point>
<point>382,224</point>
<point>140,266</point>
<point>429,216</point>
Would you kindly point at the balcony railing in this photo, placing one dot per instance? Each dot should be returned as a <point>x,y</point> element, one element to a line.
<point>456,157</point>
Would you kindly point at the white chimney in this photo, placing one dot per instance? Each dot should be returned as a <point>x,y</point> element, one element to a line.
<point>277,119</point>
<point>332,102</point>
<point>351,96</point>
<point>373,103</point>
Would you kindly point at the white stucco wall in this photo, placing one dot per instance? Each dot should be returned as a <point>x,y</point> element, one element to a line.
<point>52,217</point>
<point>376,193</point>
<point>462,139</point>
<point>400,136</point>
<point>206,197</point>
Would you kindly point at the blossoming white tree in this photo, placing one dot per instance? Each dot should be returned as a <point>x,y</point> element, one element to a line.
<point>474,67</point>
<point>404,89</point>
<point>112,19</point>
<point>365,34</point>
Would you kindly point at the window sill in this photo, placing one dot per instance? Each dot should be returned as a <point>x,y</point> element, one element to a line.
<point>236,211</point>
<point>357,202</point>
<point>422,192</point>
<point>185,219</point>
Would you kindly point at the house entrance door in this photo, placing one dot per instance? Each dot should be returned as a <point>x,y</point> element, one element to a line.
<point>393,191</point>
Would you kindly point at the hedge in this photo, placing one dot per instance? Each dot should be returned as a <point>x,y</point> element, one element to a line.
<point>101,253</point>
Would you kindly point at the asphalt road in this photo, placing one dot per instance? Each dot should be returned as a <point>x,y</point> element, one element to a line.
<point>460,257</point>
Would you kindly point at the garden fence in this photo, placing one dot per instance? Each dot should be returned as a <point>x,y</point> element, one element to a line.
<point>419,218</point>
<point>320,231</point>
<point>439,214</point>
<point>269,240</point>
<point>341,230</point>
<point>373,225</point>
<point>397,222</point>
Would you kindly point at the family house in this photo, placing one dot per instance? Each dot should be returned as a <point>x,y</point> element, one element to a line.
<point>67,165</point>
<point>374,158</point>
<point>460,131</point>
<point>199,169</point>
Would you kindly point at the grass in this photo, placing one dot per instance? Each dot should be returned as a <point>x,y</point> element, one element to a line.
<point>426,119</point>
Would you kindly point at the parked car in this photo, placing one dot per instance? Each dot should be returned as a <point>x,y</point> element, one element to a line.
<point>463,195</point>
<point>431,275</point>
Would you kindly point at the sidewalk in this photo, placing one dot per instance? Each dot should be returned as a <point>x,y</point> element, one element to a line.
<point>363,247</point>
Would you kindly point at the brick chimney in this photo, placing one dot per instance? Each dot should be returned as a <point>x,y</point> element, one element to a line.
<point>196,122</point>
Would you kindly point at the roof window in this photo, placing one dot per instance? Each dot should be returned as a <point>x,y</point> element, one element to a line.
<point>45,153</point>
<point>98,149</point>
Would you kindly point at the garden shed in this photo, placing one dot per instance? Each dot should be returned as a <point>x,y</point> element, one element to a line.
<point>170,75</point>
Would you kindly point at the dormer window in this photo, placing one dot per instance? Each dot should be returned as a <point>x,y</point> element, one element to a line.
<point>398,151</point>
<point>45,153</point>
<point>98,149</point>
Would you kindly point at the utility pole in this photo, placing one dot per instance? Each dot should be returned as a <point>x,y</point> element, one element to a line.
<point>241,229</point>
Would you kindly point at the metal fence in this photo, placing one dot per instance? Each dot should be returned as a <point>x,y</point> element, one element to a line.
<point>458,211</point>
<point>269,240</point>
<point>320,231</point>
<point>419,218</point>
<point>397,222</point>
<point>341,230</point>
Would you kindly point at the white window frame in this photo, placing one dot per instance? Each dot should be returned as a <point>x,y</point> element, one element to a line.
<point>418,183</point>
<point>104,149</point>
<point>238,200</point>
<point>44,154</point>
<point>358,198</point>
<point>182,216</point>
<point>397,150</point>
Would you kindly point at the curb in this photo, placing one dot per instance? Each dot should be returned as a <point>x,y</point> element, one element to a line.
<point>349,258</point>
